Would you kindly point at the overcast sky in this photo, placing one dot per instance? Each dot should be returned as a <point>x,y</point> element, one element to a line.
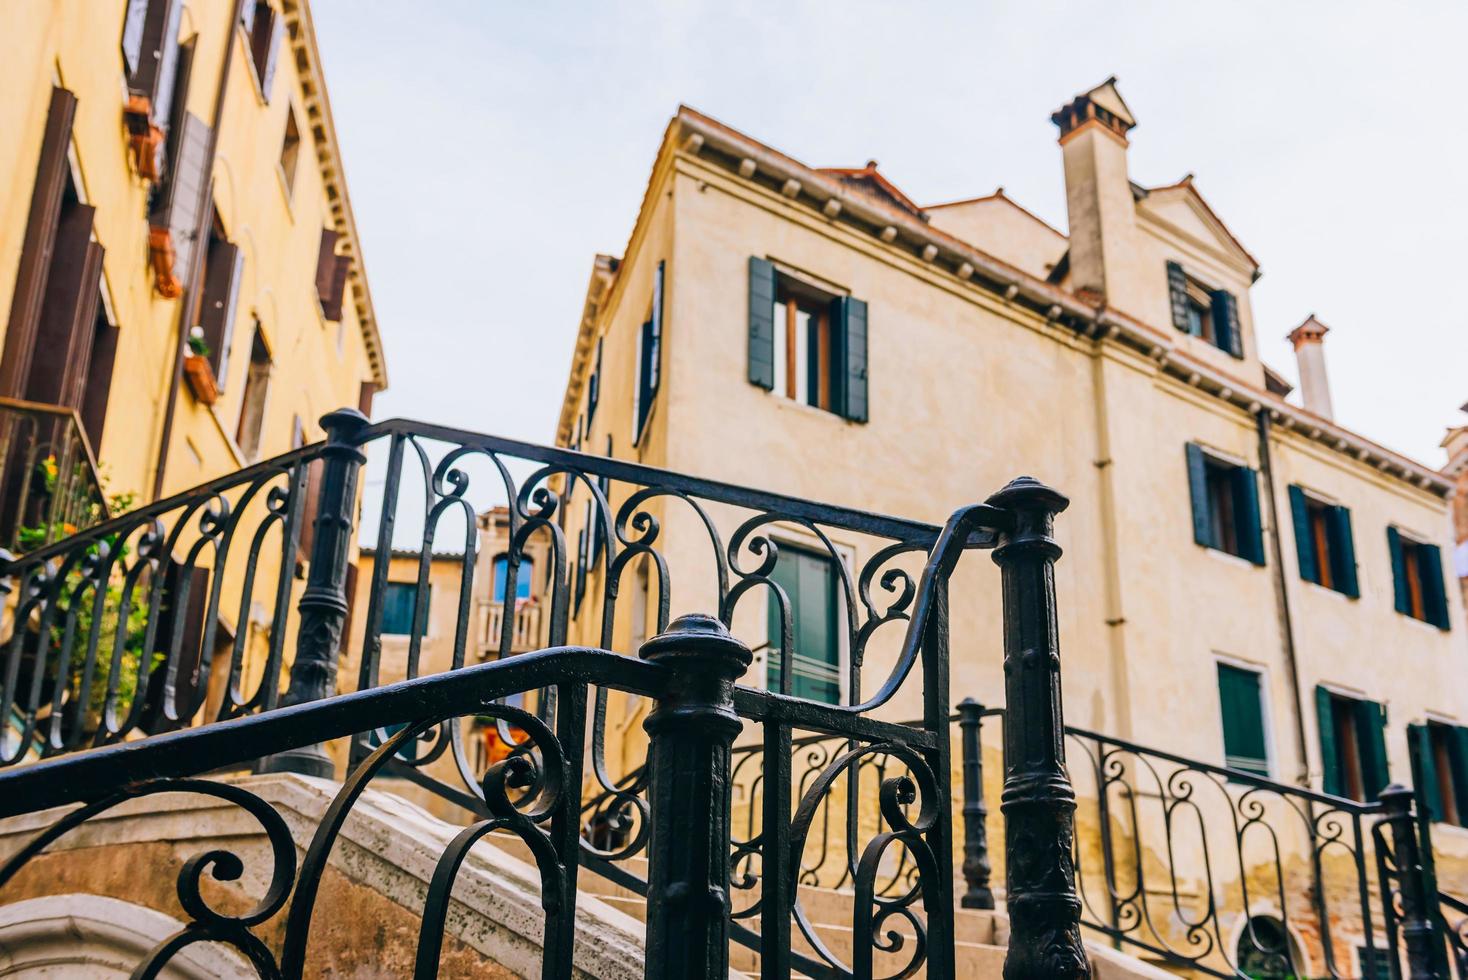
<point>492,148</point>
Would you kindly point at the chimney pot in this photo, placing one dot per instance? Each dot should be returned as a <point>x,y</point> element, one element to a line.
<point>1308,339</point>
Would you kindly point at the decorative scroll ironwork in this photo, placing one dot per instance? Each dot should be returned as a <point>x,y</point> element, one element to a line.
<point>49,484</point>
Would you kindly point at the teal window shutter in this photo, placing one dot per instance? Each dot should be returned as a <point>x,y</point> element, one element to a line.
<point>813,664</point>
<point>1198,488</point>
<point>853,364</point>
<point>1243,720</point>
<point>1403,599</point>
<point>1434,599</point>
<point>1226,322</point>
<point>1177,294</point>
<point>1458,754</point>
<point>1331,780</point>
<point>1304,543</point>
<point>1419,737</point>
<point>761,323</point>
<point>1342,551</point>
<point>1246,513</point>
<point>1371,737</point>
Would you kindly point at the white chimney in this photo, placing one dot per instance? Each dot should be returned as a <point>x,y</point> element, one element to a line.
<point>1308,339</point>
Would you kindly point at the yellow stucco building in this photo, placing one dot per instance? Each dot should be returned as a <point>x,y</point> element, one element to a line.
<point>1245,581</point>
<point>181,281</point>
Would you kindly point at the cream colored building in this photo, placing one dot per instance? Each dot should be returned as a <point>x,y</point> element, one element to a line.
<point>170,169</point>
<point>1244,579</point>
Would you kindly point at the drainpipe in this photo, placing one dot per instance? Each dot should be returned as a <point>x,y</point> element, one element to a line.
<point>1281,594</point>
<point>190,301</point>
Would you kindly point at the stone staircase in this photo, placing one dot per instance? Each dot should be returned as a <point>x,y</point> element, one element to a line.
<point>981,937</point>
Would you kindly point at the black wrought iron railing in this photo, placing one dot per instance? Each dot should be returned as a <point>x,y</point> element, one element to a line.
<point>49,484</point>
<point>157,642</point>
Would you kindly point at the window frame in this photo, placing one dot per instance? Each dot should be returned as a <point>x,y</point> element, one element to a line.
<point>391,586</point>
<point>1266,721</point>
<point>1218,466</point>
<point>1350,704</point>
<point>796,294</point>
<point>524,577</point>
<point>814,547</point>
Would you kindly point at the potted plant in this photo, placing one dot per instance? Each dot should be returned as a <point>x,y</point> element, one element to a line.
<point>198,370</point>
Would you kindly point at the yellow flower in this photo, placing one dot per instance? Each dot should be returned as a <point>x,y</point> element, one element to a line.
<point>50,465</point>
<point>67,528</point>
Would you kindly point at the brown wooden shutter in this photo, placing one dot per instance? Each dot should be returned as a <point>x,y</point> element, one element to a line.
<point>177,208</point>
<point>99,382</point>
<point>265,45</point>
<point>331,307</point>
<point>326,263</point>
<point>364,397</point>
<point>72,260</point>
<point>77,373</point>
<point>225,265</point>
<point>40,238</point>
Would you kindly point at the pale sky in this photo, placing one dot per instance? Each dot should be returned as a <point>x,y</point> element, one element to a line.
<point>492,148</point>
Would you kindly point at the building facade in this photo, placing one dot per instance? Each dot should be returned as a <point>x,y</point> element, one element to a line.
<point>1236,563</point>
<point>181,278</point>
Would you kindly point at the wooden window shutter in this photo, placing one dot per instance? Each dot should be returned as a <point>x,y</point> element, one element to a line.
<point>1401,595</point>
<point>74,258</point>
<point>225,266</point>
<point>1458,755</point>
<point>1425,776</point>
<point>1243,720</point>
<point>158,57</point>
<point>1246,513</point>
<point>365,392</point>
<point>1226,322</point>
<point>1342,551</point>
<point>1198,490</point>
<point>40,238</point>
<point>99,383</point>
<point>265,45</point>
<point>593,386</point>
<point>1371,737</point>
<point>1434,598</point>
<point>132,34</point>
<point>331,308</point>
<point>178,205</point>
<point>853,362</point>
<point>762,323</point>
<point>326,264</point>
<point>1331,778</point>
<point>1304,543</point>
<point>1177,294</point>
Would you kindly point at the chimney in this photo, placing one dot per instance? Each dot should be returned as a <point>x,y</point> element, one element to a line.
<point>1308,339</point>
<point>1098,196</point>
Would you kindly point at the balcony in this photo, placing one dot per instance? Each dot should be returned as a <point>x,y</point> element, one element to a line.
<point>49,488</point>
<point>525,632</point>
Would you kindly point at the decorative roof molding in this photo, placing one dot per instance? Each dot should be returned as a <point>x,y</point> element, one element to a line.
<point>302,32</point>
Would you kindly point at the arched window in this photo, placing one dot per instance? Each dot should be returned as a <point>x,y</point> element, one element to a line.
<point>1266,951</point>
<point>524,576</point>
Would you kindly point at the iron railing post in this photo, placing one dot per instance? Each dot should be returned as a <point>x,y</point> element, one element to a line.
<point>324,602</point>
<point>691,729</point>
<point>1038,801</point>
<point>976,866</point>
<point>1412,912</point>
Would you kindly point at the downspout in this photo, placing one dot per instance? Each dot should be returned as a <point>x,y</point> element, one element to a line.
<point>1281,595</point>
<point>1105,464</point>
<point>189,302</point>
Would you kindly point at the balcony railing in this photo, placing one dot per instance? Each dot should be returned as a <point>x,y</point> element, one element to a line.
<point>526,631</point>
<point>49,488</point>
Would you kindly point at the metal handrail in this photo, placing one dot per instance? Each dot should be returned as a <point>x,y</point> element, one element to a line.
<point>52,504</point>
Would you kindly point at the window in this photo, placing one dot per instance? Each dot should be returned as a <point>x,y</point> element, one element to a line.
<point>290,151</point>
<point>1374,961</point>
<point>252,402</point>
<point>524,578</point>
<point>398,602</point>
<point>1266,951</point>
<point>1417,577</point>
<point>1202,312</point>
<point>263,27</point>
<point>332,269</point>
<point>1225,498</point>
<point>809,582</point>
<point>593,387</point>
<point>1352,745</point>
<point>1323,544</point>
<point>224,265</point>
<point>807,344</point>
<point>649,358</point>
<point>150,53</point>
<point>1241,703</point>
<point>1440,769</point>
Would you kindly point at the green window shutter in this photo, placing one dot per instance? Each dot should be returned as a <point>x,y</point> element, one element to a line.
<point>811,668</point>
<point>1434,599</point>
<point>1424,769</point>
<point>1246,513</point>
<point>1243,720</point>
<point>1198,489</point>
<point>1458,753</point>
<point>1342,551</point>
<point>853,364</point>
<point>1177,294</point>
<point>1399,572</point>
<point>1330,763</point>
<point>1304,543</point>
<point>1226,322</point>
<point>1371,737</point>
<point>761,323</point>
